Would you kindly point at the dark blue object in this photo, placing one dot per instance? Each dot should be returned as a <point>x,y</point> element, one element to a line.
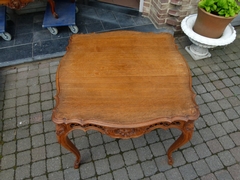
<point>66,11</point>
<point>6,36</point>
<point>2,19</point>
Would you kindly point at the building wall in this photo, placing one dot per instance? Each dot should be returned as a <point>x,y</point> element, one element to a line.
<point>169,12</point>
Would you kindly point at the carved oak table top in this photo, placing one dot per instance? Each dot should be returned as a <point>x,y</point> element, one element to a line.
<point>123,84</point>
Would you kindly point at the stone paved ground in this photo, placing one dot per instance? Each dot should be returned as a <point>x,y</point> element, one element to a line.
<point>29,149</point>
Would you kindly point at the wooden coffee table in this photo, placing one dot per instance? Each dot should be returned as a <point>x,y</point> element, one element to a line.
<point>123,84</point>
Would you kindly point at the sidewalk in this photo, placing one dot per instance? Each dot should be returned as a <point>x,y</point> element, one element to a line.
<point>29,149</point>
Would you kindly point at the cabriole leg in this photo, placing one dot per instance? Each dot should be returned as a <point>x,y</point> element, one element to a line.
<point>186,135</point>
<point>62,131</point>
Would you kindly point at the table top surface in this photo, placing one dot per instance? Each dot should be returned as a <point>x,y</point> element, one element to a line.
<point>123,78</point>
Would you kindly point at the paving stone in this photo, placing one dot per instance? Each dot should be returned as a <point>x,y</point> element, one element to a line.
<point>9,135</point>
<point>214,106</point>
<point>47,87</point>
<point>9,113</point>
<point>71,174</point>
<point>98,152</point>
<point>149,168</point>
<point>207,134</point>
<point>34,89</point>
<point>139,142</point>
<point>87,170</point>
<point>125,145</point>
<point>32,82</point>
<point>105,176</point>
<point>200,89</point>
<point>158,176</point>
<point>46,96</point>
<point>236,122</point>
<point>197,71</point>
<point>38,140</point>
<point>210,119</point>
<point>36,129</point>
<point>86,156</point>
<point>23,132</point>
<point>219,84</point>
<point>23,158</point>
<point>116,162</point>
<point>9,124</point>
<point>214,146</point>
<point>44,79</point>
<point>190,154</point>
<point>224,104</point>
<point>53,150</point>
<point>95,139</point>
<point>162,163</point>
<point>43,71</point>
<point>135,172</point>
<point>130,157</point>
<point>47,105</point>
<point>152,137</point>
<point>234,101</point>
<point>226,92</point>
<point>199,100</point>
<point>23,144</point>
<point>49,126</point>
<point>38,153</point>
<point>53,164</point>
<point>7,174</point>
<point>207,97</point>
<point>201,167</point>
<point>102,166</point>
<point>120,174</point>
<point>22,91</point>
<point>50,138</point>
<point>234,171</point>
<point>173,174</point>
<point>204,109</point>
<point>209,176</point>
<point>187,171</point>
<point>35,107</point>
<point>226,158</point>
<point>217,95</point>
<point>9,103</point>
<point>22,110</point>
<point>218,130</point>
<point>202,150</point>
<point>235,137</point>
<point>200,123</point>
<point>36,118</point>
<point>214,163</point>
<point>226,142</point>
<point>81,142</point>
<point>236,153</point>
<point>157,149</point>
<point>231,114</point>
<point>112,148</point>
<point>34,98</point>
<point>223,174</point>
<point>164,134</point>
<point>144,153</point>
<point>68,160</point>
<point>220,116</point>
<point>23,100</point>
<point>55,175</point>
<point>229,127</point>
<point>8,161</point>
<point>22,172</point>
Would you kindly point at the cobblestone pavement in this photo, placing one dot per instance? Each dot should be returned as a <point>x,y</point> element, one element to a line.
<point>29,149</point>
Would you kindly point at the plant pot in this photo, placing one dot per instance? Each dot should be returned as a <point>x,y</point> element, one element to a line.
<point>210,25</point>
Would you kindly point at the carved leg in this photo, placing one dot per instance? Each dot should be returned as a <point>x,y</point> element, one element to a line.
<point>52,5</point>
<point>62,131</point>
<point>186,135</point>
